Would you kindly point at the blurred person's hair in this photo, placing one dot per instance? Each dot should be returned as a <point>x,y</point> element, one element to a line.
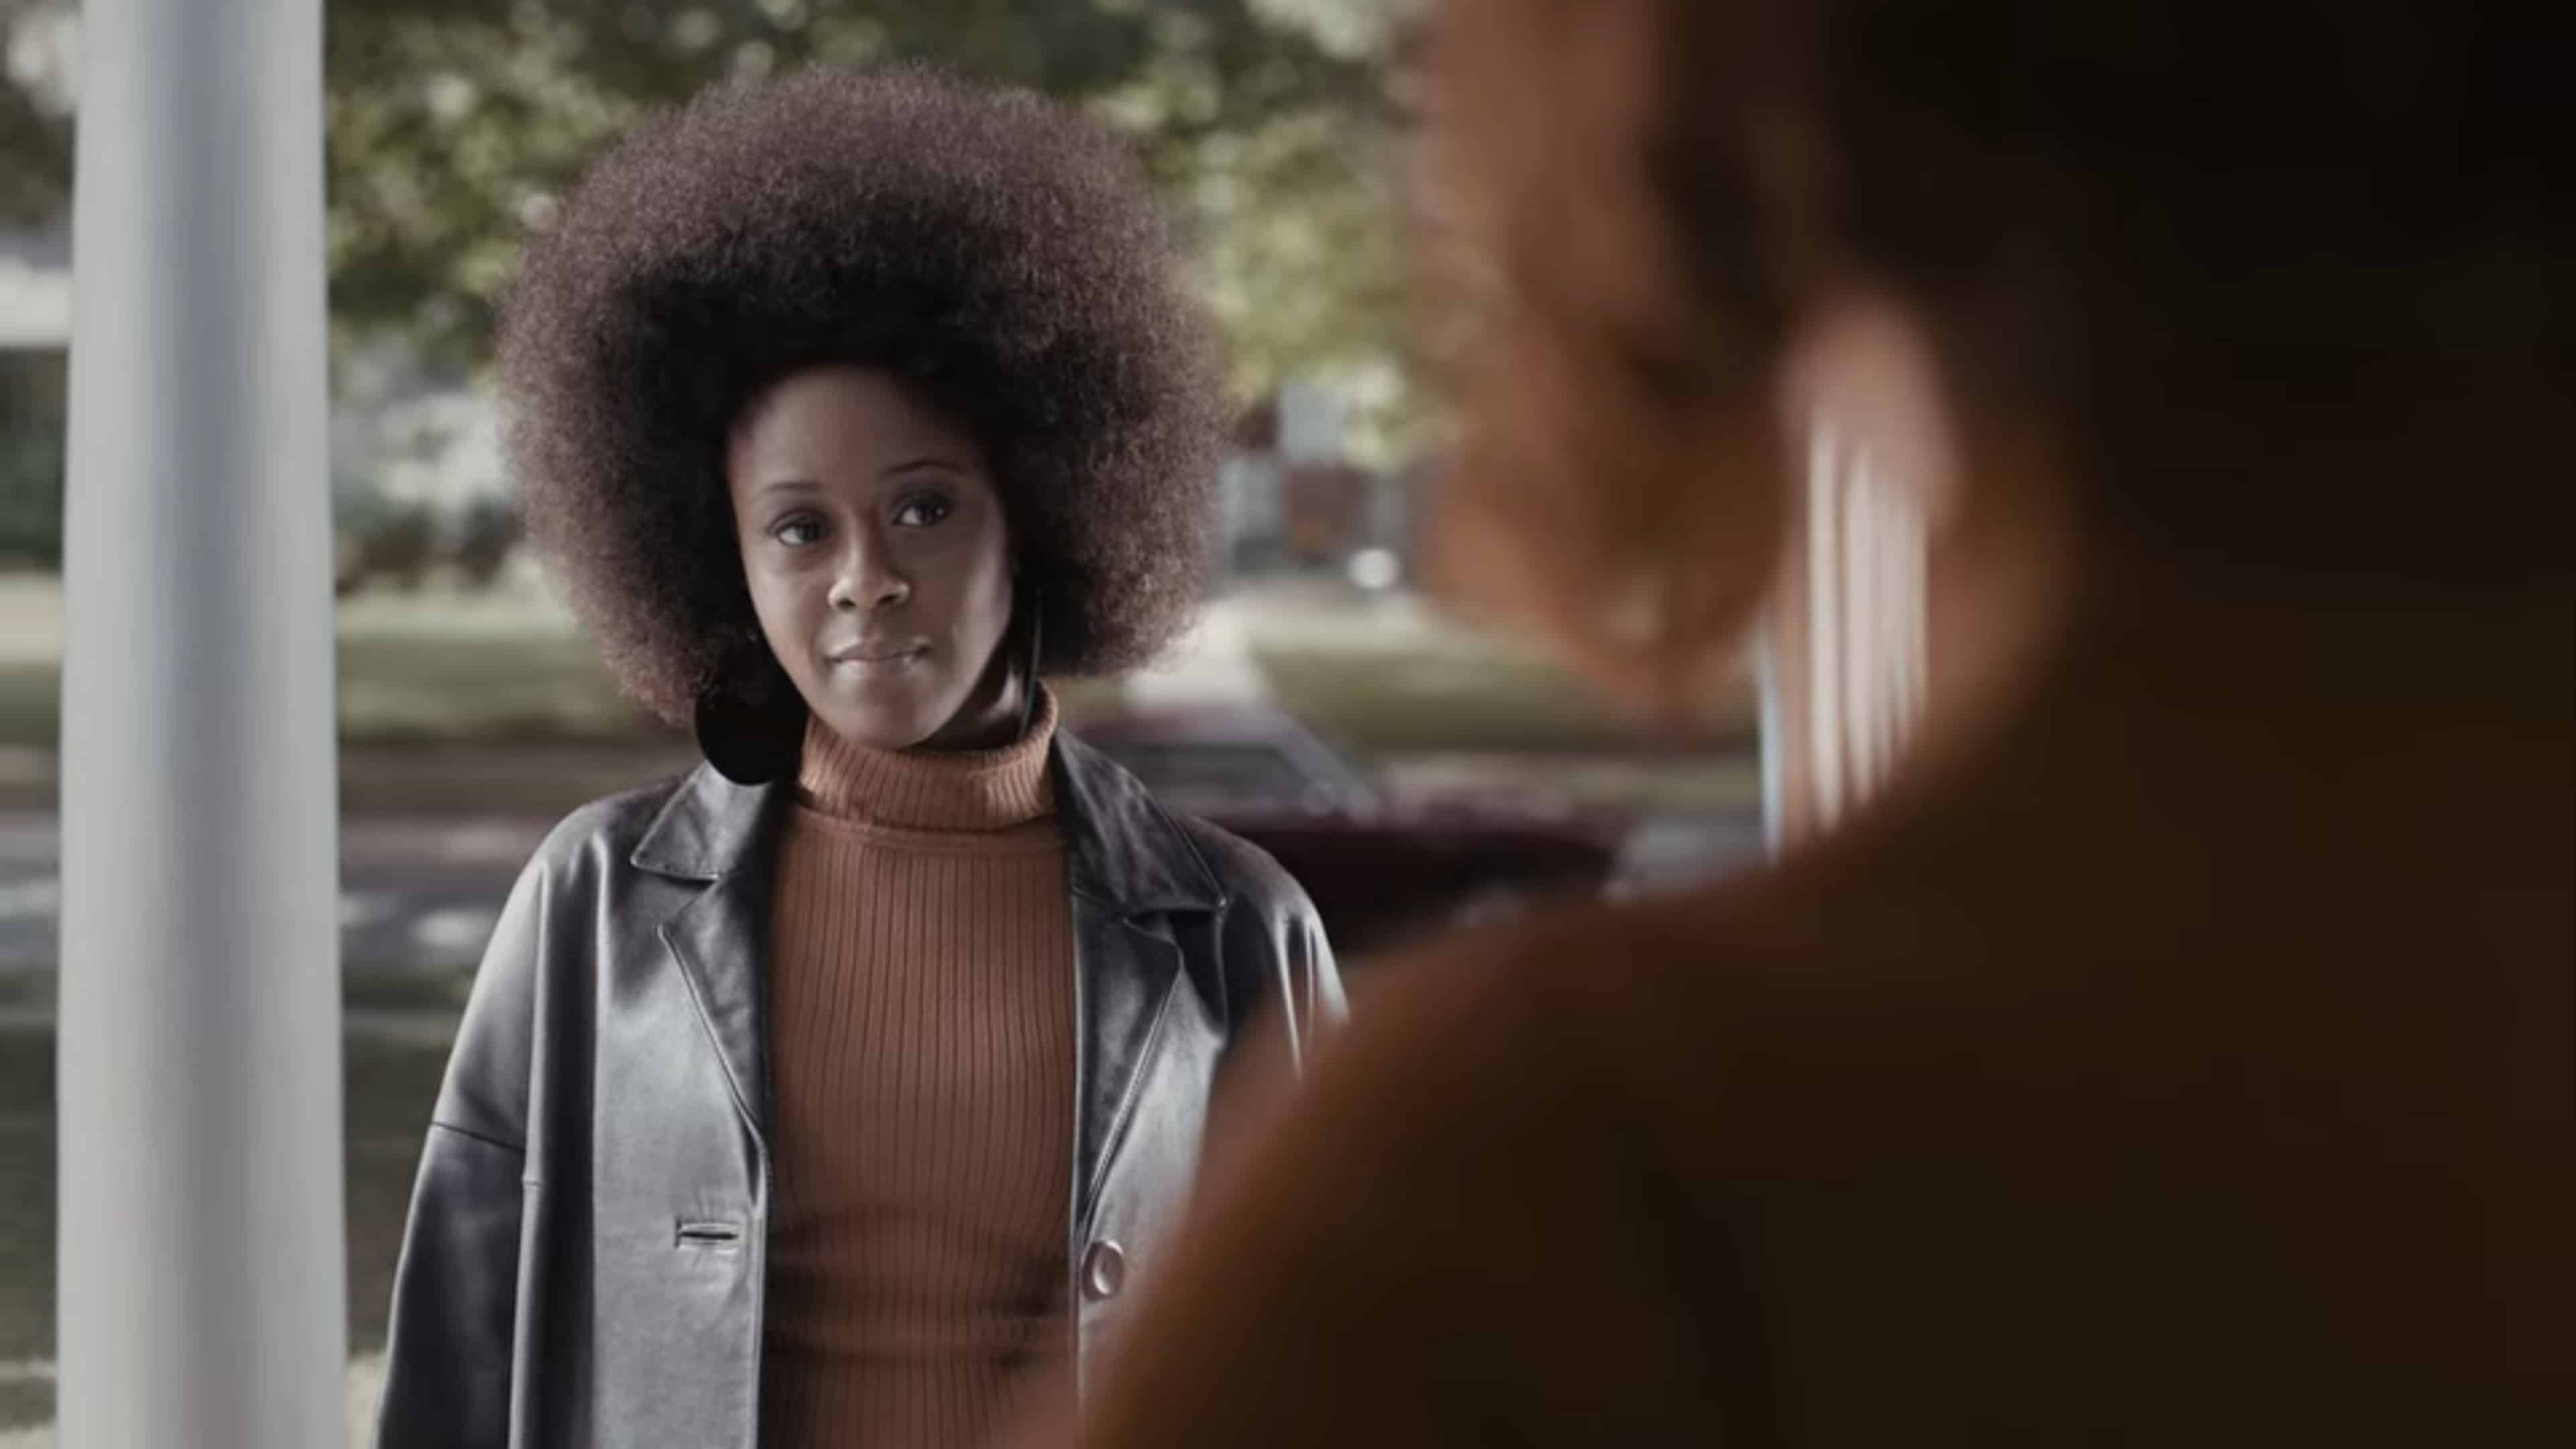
<point>996,252</point>
<point>2219,264</point>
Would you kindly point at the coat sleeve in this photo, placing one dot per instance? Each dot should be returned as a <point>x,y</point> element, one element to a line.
<point>1283,986</point>
<point>457,1315</point>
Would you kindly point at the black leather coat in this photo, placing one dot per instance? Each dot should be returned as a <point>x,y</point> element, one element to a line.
<point>586,1255</point>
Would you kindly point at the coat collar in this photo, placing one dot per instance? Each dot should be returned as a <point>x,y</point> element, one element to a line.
<point>1126,852</point>
<point>1123,851</point>
<point>1132,870</point>
<point>707,829</point>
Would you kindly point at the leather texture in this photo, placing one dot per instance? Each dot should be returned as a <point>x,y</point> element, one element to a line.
<point>585,1259</point>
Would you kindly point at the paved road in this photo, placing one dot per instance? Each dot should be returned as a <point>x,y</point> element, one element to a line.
<point>417,896</point>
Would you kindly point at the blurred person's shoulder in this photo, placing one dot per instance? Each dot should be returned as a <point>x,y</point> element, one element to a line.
<point>1453,1216</point>
<point>1589,1001</point>
<point>1508,1072</point>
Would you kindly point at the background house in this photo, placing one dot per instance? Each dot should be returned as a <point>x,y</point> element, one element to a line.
<point>1294,499</point>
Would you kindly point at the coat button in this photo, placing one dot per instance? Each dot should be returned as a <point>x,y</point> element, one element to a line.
<point>1104,1270</point>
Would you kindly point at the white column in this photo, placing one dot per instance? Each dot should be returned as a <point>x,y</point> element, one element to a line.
<point>201,1289</point>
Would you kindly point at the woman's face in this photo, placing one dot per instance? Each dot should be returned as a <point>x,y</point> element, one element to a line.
<point>878,559</point>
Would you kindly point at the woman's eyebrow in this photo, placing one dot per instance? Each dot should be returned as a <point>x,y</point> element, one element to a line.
<point>927,460</point>
<point>791,484</point>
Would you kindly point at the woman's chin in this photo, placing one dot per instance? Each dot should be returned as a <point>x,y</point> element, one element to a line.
<point>882,723</point>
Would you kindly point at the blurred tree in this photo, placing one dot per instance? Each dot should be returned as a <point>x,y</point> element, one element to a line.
<point>31,459</point>
<point>455,124</point>
<point>382,538</point>
<point>31,501</point>
<point>1271,127</point>
<point>35,111</point>
<point>482,539</point>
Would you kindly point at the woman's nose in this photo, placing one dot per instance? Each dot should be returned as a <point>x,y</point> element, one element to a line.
<point>867,580</point>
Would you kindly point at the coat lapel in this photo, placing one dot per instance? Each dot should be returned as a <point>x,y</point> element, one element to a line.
<point>1134,875</point>
<point>710,835</point>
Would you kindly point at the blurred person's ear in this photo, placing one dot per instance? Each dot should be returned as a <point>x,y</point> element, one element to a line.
<point>1928,555</point>
<point>1654,324</point>
<point>1864,366</point>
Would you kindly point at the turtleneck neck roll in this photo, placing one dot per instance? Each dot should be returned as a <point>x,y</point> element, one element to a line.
<point>931,789</point>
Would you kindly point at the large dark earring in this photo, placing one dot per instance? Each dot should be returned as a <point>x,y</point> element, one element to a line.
<point>751,722</point>
<point>1029,686</point>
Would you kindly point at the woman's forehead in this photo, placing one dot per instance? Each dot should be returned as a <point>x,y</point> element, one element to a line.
<point>843,423</point>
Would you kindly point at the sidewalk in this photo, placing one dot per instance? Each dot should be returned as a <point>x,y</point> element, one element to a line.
<point>526,780</point>
<point>363,1385</point>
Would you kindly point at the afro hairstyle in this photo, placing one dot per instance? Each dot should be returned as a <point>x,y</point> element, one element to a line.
<point>996,252</point>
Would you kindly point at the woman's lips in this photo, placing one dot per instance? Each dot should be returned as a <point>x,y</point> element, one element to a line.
<point>878,658</point>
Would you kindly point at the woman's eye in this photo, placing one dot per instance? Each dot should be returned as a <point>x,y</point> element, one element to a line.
<point>923,512</point>
<point>798,531</point>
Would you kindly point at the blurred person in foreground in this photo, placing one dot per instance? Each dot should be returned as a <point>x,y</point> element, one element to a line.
<point>2179,1049</point>
<point>819,1096</point>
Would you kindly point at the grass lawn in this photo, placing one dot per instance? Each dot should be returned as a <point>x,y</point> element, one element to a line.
<point>432,674</point>
<point>431,683</point>
<point>413,669</point>
<point>1454,695</point>
<point>429,686</point>
<point>390,1086</point>
<point>426,686</point>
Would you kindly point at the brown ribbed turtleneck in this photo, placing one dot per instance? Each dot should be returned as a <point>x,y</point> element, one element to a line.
<point>921,1045</point>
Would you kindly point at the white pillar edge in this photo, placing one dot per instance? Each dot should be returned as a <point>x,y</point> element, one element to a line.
<point>201,1292</point>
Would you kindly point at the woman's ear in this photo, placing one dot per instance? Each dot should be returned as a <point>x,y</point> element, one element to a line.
<point>1028,619</point>
<point>750,721</point>
<point>1864,366</point>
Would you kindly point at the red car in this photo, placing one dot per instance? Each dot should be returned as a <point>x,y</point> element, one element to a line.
<point>1377,869</point>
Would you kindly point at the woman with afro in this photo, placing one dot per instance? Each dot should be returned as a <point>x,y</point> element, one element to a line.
<point>822,1095</point>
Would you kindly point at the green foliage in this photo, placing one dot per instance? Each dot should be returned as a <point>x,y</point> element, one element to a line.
<point>455,124</point>
<point>31,501</point>
<point>482,540</point>
<point>31,459</point>
<point>382,538</point>
<point>35,114</point>
<point>1270,127</point>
